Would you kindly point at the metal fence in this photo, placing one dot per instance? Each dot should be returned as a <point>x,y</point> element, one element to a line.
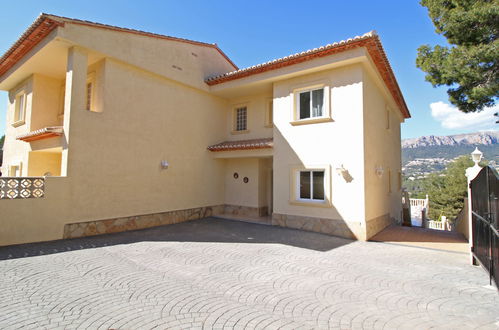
<point>485,206</point>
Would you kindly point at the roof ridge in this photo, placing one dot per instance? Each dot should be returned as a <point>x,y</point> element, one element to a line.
<point>140,32</point>
<point>53,21</point>
<point>369,34</point>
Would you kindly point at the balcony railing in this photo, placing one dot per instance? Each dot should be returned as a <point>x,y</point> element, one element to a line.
<point>22,187</point>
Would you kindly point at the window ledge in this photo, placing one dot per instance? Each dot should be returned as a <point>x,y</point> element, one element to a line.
<point>311,121</point>
<point>269,125</point>
<point>310,203</point>
<point>240,132</point>
<point>18,123</point>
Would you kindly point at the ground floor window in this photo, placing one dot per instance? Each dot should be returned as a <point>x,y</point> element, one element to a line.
<point>311,185</point>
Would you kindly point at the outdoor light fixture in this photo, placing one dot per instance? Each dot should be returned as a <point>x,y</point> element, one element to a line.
<point>341,170</point>
<point>379,171</point>
<point>476,156</point>
<point>164,164</point>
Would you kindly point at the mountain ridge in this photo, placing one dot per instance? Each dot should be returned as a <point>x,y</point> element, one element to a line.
<point>477,138</point>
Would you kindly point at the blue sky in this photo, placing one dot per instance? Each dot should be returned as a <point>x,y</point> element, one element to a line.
<point>251,32</point>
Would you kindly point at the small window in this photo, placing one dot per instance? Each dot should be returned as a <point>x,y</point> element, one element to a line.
<point>387,125</point>
<point>310,104</point>
<point>15,170</point>
<point>89,96</point>
<point>399,180</point>
<point>62,95</point>
<point>90,93</point>
<point>269,114</point>
<point>20,108</point>
<point>389,174</point>
<point>311,185</point>
<point>241,119</point>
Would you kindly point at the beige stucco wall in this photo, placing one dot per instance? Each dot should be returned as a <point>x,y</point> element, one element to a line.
<point>236,191</point>
<point>39,163</point>
<point>382,148</point>
<point>113,157</point>
<point>257,106</point>
<point>46,106</point>
<point>43,108</point>
<point>184,62</point>
<point>255,192</point>
<point>331,144</point>
<point>15,152</point>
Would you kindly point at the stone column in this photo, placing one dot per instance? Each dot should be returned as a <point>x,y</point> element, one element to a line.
<point>74,102</point>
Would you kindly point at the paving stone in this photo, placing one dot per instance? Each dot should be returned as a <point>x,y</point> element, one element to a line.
<point>208,274</point>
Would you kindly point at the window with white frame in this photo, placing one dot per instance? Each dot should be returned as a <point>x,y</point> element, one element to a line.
<point>310,103</point>
<point>311,185</point>
<point>241,119</point>
<point>20,108</point>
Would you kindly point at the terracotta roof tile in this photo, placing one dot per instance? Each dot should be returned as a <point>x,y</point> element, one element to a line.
<point>369,40</point>
<point>243,145</point>
<point>45,23</point>
<point>42,133</point>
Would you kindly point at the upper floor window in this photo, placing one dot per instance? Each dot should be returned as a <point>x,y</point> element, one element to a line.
<point>20,108</point>
<point>310,103</point>
<point>241,123</point>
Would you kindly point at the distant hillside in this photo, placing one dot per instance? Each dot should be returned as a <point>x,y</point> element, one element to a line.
<point>485,138</point>
<point>429,154</point>
<point>450,147</point>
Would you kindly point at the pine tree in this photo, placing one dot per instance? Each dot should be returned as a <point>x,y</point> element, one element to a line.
<point>470,66</point>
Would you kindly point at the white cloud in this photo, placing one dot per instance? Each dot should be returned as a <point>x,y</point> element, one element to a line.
<point>451,118</point>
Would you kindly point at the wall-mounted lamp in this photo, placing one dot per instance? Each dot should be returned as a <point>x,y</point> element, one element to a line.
<point>341,170</point>
<point>164,164</point>
<point>379,171</point>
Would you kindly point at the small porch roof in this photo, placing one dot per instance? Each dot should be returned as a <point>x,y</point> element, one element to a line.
<point>42,133</point>
<point>264,143</point>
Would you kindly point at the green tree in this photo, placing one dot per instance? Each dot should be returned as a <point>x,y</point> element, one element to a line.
<point>2,139</point>
<point>447,189</point>
<point>470,65</point>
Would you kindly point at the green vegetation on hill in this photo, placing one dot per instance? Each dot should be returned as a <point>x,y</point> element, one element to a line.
<point>446,189</point>
<point>448,152</point>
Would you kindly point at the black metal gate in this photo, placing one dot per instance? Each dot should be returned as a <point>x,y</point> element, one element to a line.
<point>485,218</point>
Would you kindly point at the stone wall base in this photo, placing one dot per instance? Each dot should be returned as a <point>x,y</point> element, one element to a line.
<point>319,225</point>
<point>116,225</point>
<point>245,210</point>
<point>375,225</point>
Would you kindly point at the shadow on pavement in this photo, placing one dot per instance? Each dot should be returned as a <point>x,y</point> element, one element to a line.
<point>210,229</point>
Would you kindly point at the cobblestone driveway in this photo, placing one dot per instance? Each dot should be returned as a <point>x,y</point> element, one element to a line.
<point>216,273</point>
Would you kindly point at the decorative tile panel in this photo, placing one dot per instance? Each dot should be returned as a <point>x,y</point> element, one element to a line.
<point>15,188</point>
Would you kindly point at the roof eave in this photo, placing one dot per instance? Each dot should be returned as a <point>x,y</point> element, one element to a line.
<point>33,35</point>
